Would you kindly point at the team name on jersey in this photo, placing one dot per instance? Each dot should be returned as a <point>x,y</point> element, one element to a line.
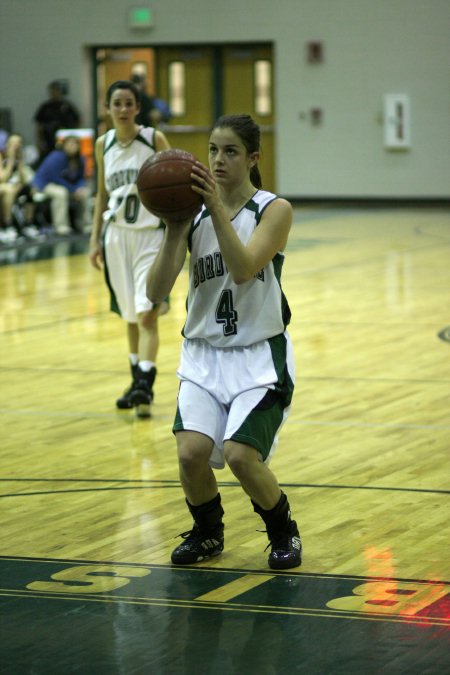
<point>120,178</point>
<point>212,265</point>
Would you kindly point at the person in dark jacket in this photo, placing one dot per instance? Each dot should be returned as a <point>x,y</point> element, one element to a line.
<point>53,114</point>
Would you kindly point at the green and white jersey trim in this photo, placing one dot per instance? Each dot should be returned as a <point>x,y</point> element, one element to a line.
<point>218,310</point>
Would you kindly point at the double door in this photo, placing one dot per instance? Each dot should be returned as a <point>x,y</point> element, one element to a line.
<point>200,84</point>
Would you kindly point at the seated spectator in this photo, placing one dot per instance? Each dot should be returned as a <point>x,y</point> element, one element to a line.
<point>3,139</point>
<point>53,114</point>
<point>61,176</point>
<point>29,214</point>
<point>15,176</point>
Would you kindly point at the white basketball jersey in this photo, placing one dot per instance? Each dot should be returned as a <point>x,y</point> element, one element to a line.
<point>121,167</point>
<point>219,311</point>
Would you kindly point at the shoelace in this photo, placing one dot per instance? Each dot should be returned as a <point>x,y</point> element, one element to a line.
<point>280,542</point>
<point>195,534</point>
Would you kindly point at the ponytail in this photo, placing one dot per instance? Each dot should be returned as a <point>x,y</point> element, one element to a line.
<point>255,177</point>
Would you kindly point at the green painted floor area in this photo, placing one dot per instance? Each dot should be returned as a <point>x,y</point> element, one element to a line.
<point>61,617</point>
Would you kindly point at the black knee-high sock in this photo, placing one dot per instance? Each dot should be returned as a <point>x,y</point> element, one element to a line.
<point>277,519</point>
<point>208,516</point>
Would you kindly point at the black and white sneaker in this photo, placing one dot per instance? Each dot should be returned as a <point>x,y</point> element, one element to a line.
<point>141,395</point>
<point>198,546</point>
<point>286,548</point>
<point>124,402</point>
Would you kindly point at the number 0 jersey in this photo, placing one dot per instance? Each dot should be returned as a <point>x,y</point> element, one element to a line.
<point>121,167</point>
<point>219,311</point>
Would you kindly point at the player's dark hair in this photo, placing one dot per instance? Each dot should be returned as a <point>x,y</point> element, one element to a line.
<point>123,84</point>
<point>249,133</point>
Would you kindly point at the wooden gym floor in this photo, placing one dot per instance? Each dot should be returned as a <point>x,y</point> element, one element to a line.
<point>91,504</point>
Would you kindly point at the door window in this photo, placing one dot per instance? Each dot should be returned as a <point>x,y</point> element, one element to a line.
<point>263,87</point>
<point>177,88</point>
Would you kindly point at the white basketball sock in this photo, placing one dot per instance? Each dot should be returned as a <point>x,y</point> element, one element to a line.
<point>146,366</point>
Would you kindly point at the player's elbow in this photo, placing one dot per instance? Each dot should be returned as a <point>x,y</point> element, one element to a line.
<point>155,298</point>
<point>242,275</point>
<point>244,269</point>
<point>152,293</point>
<point>241,278</point>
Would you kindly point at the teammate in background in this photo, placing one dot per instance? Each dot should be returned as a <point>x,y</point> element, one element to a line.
<point>236,367</point>
<point>126,237</point>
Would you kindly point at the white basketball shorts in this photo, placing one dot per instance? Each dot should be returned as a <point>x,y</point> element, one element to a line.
<point>129,254</point>
<point>241,394</point>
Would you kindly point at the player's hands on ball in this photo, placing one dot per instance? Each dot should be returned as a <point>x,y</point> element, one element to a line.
<point>204,184</point>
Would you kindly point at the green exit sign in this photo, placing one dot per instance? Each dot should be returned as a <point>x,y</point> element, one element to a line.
<point>140,17</point>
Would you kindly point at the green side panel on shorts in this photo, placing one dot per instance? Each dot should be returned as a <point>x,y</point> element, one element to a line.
<point>113,304</point>
<point>285,385</point>
<point>262,425</point>
<point>278,262</point>
<point>178,422</point>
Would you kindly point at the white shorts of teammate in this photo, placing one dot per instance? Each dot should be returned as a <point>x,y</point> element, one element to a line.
<point>241,394</point>
<point>129,254</point>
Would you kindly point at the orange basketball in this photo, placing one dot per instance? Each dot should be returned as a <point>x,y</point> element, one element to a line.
<point>164,185</point>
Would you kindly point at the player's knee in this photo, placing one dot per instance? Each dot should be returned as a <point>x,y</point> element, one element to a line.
<point>240,459</point>
<point>191,462</point>
<point>148,320</point>
<point>193,453</point>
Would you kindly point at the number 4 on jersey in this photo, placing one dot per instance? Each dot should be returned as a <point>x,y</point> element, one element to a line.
<point>226,314</point>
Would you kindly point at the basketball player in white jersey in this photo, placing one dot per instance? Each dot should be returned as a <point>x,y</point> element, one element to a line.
<point>237,367</point>
<point>126,237</point>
